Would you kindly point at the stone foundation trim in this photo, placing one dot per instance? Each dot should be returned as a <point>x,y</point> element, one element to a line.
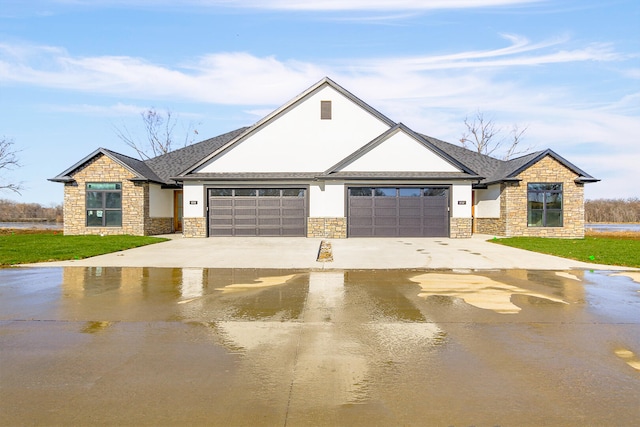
<point>157,225</point>
<point>491,226</point>
<point>194,227</point>
<point>330,228</point>
<point>460,228</point>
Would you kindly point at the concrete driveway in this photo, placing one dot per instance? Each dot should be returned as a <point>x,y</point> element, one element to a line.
<point>299,252</point>
<point>251,347</point>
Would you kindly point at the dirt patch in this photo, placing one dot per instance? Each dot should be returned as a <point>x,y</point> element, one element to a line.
<point>9,231</point>
<point>622,235</point>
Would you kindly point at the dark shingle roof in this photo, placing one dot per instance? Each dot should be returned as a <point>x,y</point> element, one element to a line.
<point>496,170</point>
<point>158,169</point>
<point>143,170</point>
<point>168,168</point>
<point>173,163</point>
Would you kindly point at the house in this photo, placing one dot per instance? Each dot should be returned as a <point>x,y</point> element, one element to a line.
<point>325,164</point>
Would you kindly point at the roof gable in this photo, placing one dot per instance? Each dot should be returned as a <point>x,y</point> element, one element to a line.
<point>518,165</point>
<point>135,166</point>
<point>296,130</point>
<point>402,150</point>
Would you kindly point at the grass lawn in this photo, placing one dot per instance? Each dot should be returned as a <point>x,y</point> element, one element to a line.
<point>621,249</point>
<point>19,248</point>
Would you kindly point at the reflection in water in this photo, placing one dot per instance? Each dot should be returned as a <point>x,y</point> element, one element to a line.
<point>479,291</point>
<point>629,357</point>
<point>192,283</point>
<point>95,327</point>
<point>567,275</point>
<point>633,275</point>
<point>261,282</point>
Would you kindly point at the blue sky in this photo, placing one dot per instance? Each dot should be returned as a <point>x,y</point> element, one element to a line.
<point>73,70</point>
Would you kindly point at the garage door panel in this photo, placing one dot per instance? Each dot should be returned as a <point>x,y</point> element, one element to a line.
<point>245,212</point>
<point>269,221</point>
<point>268,212</point>
<point>269,202</point>
<point>398,212</point>
<point>385,202</point>
<point>410,222</point>
<point>409,202</point>
<point>385,221</point>
<point>244,202</point>
<point>385,212</point>
<point>384,231</point>
<point>257,212</point>
<point>296,213</point>
<point>220,231</point>
<point>245,221</point>
<point>410,212</point>
<point>293,222</point>
<point>361,213</point>
<point>357,202</point>
<point>221,202</point>
<point>221,212</point>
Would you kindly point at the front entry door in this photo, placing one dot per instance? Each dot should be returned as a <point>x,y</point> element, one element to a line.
<point>177,211</point>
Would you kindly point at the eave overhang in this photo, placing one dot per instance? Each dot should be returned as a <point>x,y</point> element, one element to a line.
<point>585,180</point>
<point>337,176</point>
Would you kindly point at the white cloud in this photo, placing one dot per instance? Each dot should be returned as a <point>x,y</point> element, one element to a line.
<point>370,4</point>
<point>431,94</point>
<point>314,5</point>
<point>222,77</point>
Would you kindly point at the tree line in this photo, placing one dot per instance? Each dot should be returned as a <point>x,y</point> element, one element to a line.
<point>599,210</point>
<point>612,210</point>
<point>11,211</point>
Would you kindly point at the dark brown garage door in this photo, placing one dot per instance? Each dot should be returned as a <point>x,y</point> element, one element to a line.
<point>398,212</point>
<point>257,212</point>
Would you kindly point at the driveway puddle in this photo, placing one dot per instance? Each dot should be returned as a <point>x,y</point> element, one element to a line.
<point>478,291</point>
<point>94,327</point>
<point>633,275</point>
<point>262,347</point>
<point>629,357</point>
<point>261,282</point>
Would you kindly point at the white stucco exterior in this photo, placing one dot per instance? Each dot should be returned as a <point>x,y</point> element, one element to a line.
<point>461,200</point>
<point>160,202</point>
<point>400,153</point>
<point>300,141</point>
<point>488,202</point>
<point>194,200</point>
<point>326,199</point>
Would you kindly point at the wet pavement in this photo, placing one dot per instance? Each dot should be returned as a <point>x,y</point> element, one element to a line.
<point>269,347</point>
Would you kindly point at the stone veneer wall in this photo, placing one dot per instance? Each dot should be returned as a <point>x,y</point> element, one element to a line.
<point>460,228</point>
<point>493,226</point>
<point>135,198</point>
<point>332,228</point>
<point>513,204</point>
<point>194,227</point>
<point>158,225</point>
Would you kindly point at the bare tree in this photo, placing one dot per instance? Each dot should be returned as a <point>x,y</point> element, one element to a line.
<point>483,136</point>
<point>9,161</point>
<point>159,131</point>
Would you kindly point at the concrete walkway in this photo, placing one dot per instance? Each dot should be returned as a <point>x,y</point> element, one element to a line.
<point>302,253</point>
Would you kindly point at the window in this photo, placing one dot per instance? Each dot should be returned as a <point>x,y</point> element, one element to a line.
<point>104,204</point>
<point>544,205</point>
<point>325,110</point>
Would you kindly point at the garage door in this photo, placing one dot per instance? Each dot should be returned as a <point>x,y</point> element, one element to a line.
<point>398,212</point>
<point>257,212</point>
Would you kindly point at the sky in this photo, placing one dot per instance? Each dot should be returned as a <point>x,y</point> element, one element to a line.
<point>73,72</point>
